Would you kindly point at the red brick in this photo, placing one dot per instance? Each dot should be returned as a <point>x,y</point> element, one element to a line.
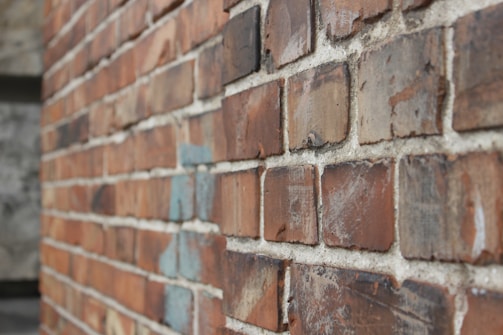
<point>94,314</point>
<point>199,257</point>
<point>101,277</point>
<point>484,312</point>
<point>180,79</point>
<point>477,70</point>
<point>96,13</point>
<point>160,7</point>
<point>104,44</point>
<point>126,197</point>
<point>78,30</point>
<point>131,107</point>
<point>103,199</point>
<point>93,239</point>
<point>209,69</point>
<point>59,17</point>
<point>101,118</point>
<point>449,207</point>
<point>290,205</point>
<point>318,106</point>
<point>120,156</point>
<point>48,316</point>
<point>402,88</point>
<point>252,122</point>
<point>241,40</point>
<point>342,19</point>
<point>157,252</point>
<point>340,301</point>
<point>57,259</point>
<point>80,62</point>
<point>289,31</point>
<point>79,269</point>
<point>358,209</point>
<point>122,70</point>
<point>73,301</point>
<point>154,308</point>
<point>155,147</point>
<point>120,243</point>
<point>157,48</point>
<point>78,198</point>
<point>133,19</point>
<point>52,288</point>
<point>264,276</point>
<point>241,192</point>
<point>101,83</point>
<point>54,112</point>
<point>211,317</point>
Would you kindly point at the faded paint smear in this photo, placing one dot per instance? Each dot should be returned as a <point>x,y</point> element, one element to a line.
<point>181,206</point>
<point>205,192</point>
<point>190,262</point>
<point>480,229</point>
<point>191,154</point>
<point>168,259</point>
<point>178,307</point>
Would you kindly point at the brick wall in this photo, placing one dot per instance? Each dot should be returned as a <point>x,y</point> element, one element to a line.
<point>283,166</point>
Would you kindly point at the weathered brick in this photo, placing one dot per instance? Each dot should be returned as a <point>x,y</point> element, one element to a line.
<point>157,252</point>
<point>342,19</point>
<point>59,17</point>
<point>118,323</point>
<point>208,194</point>
<point>358,209</point>
<point>96,13</point>
<point>119,158</point>
<point>402,88</point>
<point>318,106</point>
<point>211,317</point>
<point>160,7</point>
<point>230,3</point>
<point>131,107</point>
<point>120,243</point>
<point>48,316</point>
<point>240,192</point>
<point>179,307</point>
<point>290,205</point>
<point>80,62</point>
<point>79,270</point>
<point>264,276</point>
<point>241,41</point>
<point>449,207</point>
<point>103,199</point>
<point>122,70</point>
<point>328,300</point>
<point>101,119</point>
<point>133,19</point>
<point>478,68</point>
<point>154,295</point>
<point>93,238</point>
<point>100,276</point>
<point>180,80</point>
<point>129,289</point>
<point>104,44</point>
<point>155,148</point>
<point>252,122</point>
<point>76,130</point>
<point>414,4</point>
<point>94,314</point>
<point>209,68</point>
<point>484,312</point>
<point>205,141</point>
<point>157,48</point>
<point>100,84</point>
<point>289,30</point>
<point>55,258</point>
<point>200,257</point>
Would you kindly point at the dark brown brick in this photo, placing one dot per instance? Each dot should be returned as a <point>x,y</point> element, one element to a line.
<point>325,300</point>
<point>103,200</point>
<point>343,18</point>
<point>240,191</point>
<point>484,312</point>
<point>401,88</point>
<point>289,30</point>
<point>180,80</point>
<point>358,210</point>
<point>209,67</point>
<point>241,39</point>
<point>318,106</point>
<point>252,122</point>
<point>450,207</point>
<point>478,70</point>
<point>290,205</point>
<point>264,276</point>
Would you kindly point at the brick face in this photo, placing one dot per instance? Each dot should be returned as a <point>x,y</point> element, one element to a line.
<point>483,312</point>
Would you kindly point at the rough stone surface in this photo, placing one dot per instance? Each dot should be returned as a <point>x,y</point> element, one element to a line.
<point>21,23</point>
<point>401,88</point>
<point>19,191</point>
<point>478,70</point>
<point>325,300</point>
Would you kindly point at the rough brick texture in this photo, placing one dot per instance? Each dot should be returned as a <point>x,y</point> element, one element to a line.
<point>239,167</point>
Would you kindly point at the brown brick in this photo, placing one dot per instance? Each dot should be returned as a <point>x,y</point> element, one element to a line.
<point>240,191</point>
<point>157,48</point>
<point>484,312</point>
<point>101,119</point>
<point>252,122</point>
<point>414,4</point>
<point>160,7</point>
<point>119,156</point>
<point>180,80</point>
<point>93,239</point>
<point>103,199</point>
<point>79,270</point>
<point>358,210</point>
<point>401,88</point>
<point>126,197</point>
<point>264,276</point>
<point>104,44</point>
<point>200,257</point>
<point>94,314</point>
<point>155,148</point>
<point>133,19</point>
<point>318,106</point>
<point>129,289</point>
<point>48,316</point>
<point>342,19</point>
<point>478,68</point>
<point>57,259</point>
<point>100,84</point>
<point>450,207</point>
<point>241,40</point>
<point>154,296</point>
<point>209,68</point>
<point>131,107</point>
<point>58,18</point>
<point>289,30</point>
<point>211,317</point>
<point>120,243</point>
<point>96,13</point>
<point>157,252</point>
<point>122,70</point>
<point>290,205</point>
<point>328,300</point>
<point>80,62</point>
<point>78,198</point>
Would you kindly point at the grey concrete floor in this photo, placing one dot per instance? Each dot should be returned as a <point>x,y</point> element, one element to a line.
<point>19,316</point>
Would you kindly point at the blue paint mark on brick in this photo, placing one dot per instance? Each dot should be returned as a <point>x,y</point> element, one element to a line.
<point>168,260</point>
<point>191,154</point>
<point>190,262</point>
<point>181,206</point>
<point>178,303</point>
<point>205,193</point>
